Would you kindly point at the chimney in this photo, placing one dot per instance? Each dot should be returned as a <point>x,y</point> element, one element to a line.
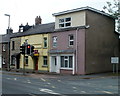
<point>9,31</point>
<point>38,20</point>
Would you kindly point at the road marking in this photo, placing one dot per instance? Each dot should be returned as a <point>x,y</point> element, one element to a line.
<point>43,79</point>
<point>48,83</point>
<point>15,78</point>
<point>83,91</point>
<point>8,78</point>
<point>74,87</point>
<point>53,86</point>
<point>59,80</point>
<point>29,82</point>
<point>107,92</point>
<point>49,91</point>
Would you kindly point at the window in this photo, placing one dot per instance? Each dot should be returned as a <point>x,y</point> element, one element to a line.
<point>26,60</point>
<point>13,45</point>
<point>66,61</point>
<point>4,47</point>
<point>45,42</point>
<point>3,60</point>
<point>71,40</point>
<point>45,61</point>
<point>13,61</point>
<point>65,22</point>
<point>55,41</point>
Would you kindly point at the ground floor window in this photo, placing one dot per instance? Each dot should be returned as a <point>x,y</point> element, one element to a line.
<point>45,61</point>
<point>13,61</point>
<point>66,61</point>
<point>26,60</point>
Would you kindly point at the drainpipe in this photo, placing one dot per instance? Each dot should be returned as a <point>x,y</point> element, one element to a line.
<point>76,64</point>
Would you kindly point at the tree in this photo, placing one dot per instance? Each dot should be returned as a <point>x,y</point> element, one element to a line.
<point>113,8</point>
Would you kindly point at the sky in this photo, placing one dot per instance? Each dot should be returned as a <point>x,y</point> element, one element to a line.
<point>23,11</point>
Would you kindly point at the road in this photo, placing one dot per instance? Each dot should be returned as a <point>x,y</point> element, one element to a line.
<point>57,85</point>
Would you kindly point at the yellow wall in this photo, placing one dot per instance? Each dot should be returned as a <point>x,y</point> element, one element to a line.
<point>38,42</point>
<point>78,19</point>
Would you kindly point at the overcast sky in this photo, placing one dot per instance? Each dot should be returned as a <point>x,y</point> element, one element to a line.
<point>23,11</point>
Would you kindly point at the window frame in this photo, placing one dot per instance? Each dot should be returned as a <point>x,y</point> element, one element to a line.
<point>4,47</point>
<point>45,42</point>
<point>13,45</point>
<point>63,66</point>
<point>63,22</point>
<point>45,59</point>
<point>71,40</point>
<point>54,42</point>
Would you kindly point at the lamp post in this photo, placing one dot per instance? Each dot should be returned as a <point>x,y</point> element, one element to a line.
<point>8,31</point>
<point>8,20</point>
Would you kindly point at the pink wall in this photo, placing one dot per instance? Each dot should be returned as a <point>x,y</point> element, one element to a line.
<point>63,44</point>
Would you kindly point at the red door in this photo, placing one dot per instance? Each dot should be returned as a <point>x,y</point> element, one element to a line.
<point>36,63</point>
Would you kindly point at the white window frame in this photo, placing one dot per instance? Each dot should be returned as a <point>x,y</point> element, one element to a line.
<point>44,60</point>
<point>3,61</point>
<point>63,22</point>
<point>67,61</point>
<point>4,47</point>
<point>54,41</point>
<point>71,40</point>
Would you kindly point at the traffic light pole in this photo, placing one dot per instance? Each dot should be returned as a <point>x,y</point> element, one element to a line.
<point>24,64</point>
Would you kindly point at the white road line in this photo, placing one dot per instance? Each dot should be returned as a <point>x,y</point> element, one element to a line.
<point>48,83</point>
<point>49,91</point>
<point>107,92</point>
<point>74,87</point>
<point>83,91</point>
<point>43,79</point>
<point>15,78</point>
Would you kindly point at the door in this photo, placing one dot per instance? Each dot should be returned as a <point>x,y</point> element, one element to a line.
<point>36,63</point>
<point>54,64</point>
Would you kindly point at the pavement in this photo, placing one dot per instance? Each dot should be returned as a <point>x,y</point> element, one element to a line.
<point>64,76</point>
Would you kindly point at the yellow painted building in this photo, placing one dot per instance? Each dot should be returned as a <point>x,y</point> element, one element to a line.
<point>41,44</point>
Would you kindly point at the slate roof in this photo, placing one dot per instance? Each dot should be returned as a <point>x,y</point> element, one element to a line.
<point>5,38</point>
<point>38,29</point>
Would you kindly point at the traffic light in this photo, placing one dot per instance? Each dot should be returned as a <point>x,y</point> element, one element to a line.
<point>32,49</point>
<point>22,49</point>
<point>28,49</point>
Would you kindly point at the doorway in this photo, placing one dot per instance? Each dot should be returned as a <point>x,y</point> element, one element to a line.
<point>54,64</point>
<point>36,63</point>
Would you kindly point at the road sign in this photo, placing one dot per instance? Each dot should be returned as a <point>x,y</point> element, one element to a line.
<point>115,60</point>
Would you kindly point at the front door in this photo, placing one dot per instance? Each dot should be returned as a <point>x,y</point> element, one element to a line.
<point>36,63</point>
<point>54,64</point>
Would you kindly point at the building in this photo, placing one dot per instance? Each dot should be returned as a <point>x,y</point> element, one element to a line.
<point>37,36</point>
<point>83,42</point>
<point>5,50</point>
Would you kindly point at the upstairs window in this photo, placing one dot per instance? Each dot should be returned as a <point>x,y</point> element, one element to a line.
<point>65,22</point>
<point>71,40</point>
<point>4,47</point>
<point>45,42</point>
<point>55,41</point>
<point>13,45</point>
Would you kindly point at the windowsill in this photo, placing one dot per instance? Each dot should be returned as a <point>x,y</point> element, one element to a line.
<point>44,65</point>
<point>45,47</point>
<point>67,68</point>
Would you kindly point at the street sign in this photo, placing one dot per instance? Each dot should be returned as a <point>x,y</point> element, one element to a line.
<point>115,60</point>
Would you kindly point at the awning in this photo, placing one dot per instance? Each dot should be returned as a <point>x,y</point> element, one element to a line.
<point>62,51</point>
